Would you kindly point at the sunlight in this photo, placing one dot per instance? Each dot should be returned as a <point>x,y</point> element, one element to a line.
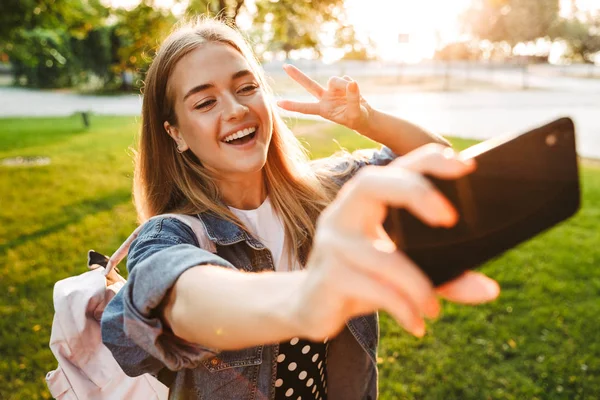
<point>429,24</point>
<point>426,24</point>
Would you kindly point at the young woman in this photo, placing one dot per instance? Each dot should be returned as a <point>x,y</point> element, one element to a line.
<point>305,327</point>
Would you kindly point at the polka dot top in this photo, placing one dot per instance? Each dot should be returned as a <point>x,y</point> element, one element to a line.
<point>301,370</point>
<point>301,364</point>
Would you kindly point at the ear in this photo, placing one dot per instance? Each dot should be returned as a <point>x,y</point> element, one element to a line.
<point>176,135</point>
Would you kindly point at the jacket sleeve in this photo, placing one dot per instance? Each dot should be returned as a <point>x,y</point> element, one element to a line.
<point>131,327</point>
<point>341,168</point>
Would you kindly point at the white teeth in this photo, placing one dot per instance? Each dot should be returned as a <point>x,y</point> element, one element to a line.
<point>239,134</point>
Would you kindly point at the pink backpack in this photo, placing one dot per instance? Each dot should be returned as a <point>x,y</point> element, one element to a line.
<point>86,368</point>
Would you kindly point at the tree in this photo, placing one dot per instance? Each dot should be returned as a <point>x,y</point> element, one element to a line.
<point>582,36</point>
<point>345,38</point>
<point>293,24</point>
<point>77,17</point>
<point>512,21</point>
<point>37,36</point>
<point>226,10</point>
<point>136,36</point>
<point>458,51</point>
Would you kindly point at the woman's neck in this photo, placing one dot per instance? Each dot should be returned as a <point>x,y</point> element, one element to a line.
<point>246,193</point>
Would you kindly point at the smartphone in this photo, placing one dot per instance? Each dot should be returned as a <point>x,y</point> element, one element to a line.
<point>523,185</point>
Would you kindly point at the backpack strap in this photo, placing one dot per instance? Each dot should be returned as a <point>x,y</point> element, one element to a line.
<point>194,222</point>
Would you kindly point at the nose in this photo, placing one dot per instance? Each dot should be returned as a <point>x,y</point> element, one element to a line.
<point>235,110</point>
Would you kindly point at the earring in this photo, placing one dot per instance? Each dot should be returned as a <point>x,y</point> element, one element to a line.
<point>179,150</point>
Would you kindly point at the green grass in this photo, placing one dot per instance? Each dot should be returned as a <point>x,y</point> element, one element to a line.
<point>539,340</point>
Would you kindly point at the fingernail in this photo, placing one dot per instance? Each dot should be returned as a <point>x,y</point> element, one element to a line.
<point>419,331</point>
<point>450,218</point>
<point>449,153</point>
<point>469,162</point>
<point>492,288</point>
<point>432,308</point>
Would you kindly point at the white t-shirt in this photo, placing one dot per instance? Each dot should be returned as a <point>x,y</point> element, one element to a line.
<point>267,227</point>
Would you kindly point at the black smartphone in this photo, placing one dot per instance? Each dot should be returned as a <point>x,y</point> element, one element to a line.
<point>523,185</point>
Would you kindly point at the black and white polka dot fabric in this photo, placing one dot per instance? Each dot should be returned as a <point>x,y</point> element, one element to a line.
<point>301,370</point>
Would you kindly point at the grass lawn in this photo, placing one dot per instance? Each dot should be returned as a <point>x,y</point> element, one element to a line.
<point>539,340</point>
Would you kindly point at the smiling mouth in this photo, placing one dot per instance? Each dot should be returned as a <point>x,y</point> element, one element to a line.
<point>241,137</point>
<point>242,140</point>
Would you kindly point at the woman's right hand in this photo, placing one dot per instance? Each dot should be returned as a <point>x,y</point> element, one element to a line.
<point>354,267</point>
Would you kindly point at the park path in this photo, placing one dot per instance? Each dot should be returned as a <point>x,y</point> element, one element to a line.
<point>469,114</point>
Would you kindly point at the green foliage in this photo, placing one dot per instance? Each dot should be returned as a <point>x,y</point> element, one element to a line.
<point>345,38</point>
<point>60,43</point>
<point>581,36</point>
<point>48,58</point>
<point>75,16</point>
<point>43,58</point>
<point>137,36</point>
<point>295,25</point>
<point>41,39</point>
<point>226,10</point>
<point>512,21</point>
<point>96,52</point>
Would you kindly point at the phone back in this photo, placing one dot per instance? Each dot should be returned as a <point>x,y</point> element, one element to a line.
<point>522,186</point>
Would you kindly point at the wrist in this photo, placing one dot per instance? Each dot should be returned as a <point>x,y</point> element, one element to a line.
<point>367,127</point>
<point>293,305</point>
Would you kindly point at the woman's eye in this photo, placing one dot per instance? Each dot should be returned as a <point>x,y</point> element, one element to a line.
<point>248,88</point>
<point>205,104</point>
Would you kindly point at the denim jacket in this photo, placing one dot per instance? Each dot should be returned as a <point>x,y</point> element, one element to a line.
<point>164,249</point>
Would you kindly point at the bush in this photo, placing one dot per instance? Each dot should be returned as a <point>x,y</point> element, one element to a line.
<point>43,58</point>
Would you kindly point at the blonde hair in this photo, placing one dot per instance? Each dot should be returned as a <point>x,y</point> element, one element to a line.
<point>168,182</point>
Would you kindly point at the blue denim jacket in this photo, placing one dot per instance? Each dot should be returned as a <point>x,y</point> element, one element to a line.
<point>165,249</point>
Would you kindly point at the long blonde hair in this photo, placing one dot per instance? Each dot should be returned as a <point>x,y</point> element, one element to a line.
<point>168,182</point>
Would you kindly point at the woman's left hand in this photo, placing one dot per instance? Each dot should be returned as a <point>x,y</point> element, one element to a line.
<point>340,102</point>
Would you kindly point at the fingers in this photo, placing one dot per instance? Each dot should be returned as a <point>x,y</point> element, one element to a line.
<point>393,269</point>
<point>470,288</point>
<point>304,80</point>
<point>300,107</point>
<point>362,202</point>
<point>353,99</point>
<point>336,83</point>
<point>437,160</point>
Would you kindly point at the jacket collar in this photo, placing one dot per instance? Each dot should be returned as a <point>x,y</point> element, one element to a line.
<point>224,232</point>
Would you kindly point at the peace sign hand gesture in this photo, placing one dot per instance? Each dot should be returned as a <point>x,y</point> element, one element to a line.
<point>340,102</point>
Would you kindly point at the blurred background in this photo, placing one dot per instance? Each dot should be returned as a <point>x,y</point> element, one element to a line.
<point>70,78</point>
<point>482,67</point>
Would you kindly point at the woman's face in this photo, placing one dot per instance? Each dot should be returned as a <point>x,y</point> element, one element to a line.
<point>221,111</point>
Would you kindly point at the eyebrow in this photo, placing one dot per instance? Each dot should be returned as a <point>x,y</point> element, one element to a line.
<point>205,86</point>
